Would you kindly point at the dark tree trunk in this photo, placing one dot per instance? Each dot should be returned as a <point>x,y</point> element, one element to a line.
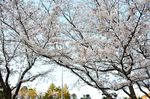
<point>132,92</point>
<point>7,94</point>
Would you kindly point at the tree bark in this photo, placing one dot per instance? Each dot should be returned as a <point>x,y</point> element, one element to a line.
<point>132,92</point>
<point>6,89</point>
<point>7,94</point>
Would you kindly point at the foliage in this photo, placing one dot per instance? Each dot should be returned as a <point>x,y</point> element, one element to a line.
<point>25,92</point>
<point>55,92</point>
<point>87,96</point>
<point>145,96</point>
<point>74,96</point>
<point>32,93</point>
<point>113,96</point>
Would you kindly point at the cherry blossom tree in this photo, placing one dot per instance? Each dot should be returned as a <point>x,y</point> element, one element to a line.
<point>16,60</point>
<point>16,64</point>
<point>104,42</point>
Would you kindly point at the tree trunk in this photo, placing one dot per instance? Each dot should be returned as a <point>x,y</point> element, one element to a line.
<point>132,92</point>
<point>7,94</point>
